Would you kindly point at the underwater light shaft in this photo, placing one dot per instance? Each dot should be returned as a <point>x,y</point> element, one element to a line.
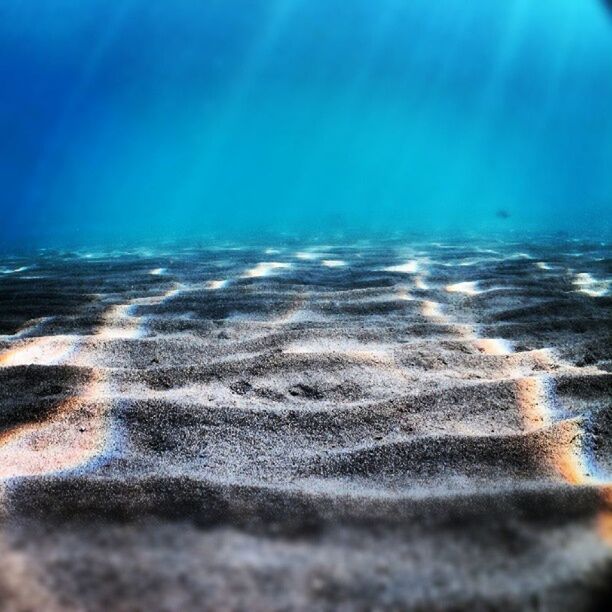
<point>143,119</point>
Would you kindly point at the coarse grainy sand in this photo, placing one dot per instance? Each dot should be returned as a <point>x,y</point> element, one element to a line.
<point>386,426</point>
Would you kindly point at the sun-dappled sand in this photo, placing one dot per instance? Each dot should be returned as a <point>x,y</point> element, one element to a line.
<point>378,425</point>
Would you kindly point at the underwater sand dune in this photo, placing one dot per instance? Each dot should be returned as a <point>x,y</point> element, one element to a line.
<point>402,427</point>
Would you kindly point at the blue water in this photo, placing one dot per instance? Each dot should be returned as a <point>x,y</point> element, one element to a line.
<point>148,119</point>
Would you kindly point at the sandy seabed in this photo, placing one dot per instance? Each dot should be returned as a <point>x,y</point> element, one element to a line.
<point>389,426</point>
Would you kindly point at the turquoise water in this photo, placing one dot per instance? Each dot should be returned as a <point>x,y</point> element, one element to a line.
<point>146,119</point>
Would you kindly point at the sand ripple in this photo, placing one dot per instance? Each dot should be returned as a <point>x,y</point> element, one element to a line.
<point>354,427</point>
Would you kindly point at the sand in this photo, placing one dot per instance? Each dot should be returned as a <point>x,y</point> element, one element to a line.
<point>390,425</point>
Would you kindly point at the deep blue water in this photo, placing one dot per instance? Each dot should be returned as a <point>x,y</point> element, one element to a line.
<point>151,119</point>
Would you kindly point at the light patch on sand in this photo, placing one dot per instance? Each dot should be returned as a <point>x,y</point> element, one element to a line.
<point>534,399</point>
<point>490,346</point>
<point>78,430</point>
<point>591,286</point>
<point>433,310</point>
<point>119,322</point>
<point>46,350</point>
<point>216,284</point>
<point>469,288</point>
<point>404,295</point>
<point>15,271</point>
<point>308,255</point>
<point>74,435</point>
<point>576,465</point>
<point>296,313</point>
<point>488,251</point>
<point>265,268</point>
<point>372,355</point>
<point>603,520</point>
<point>538,406</point>
<point>410,267</point>
<point>71,436</point>
<point>568,456</point>
<point>155,300</point>
<point>333,263</point>
<point>173,292</point>
<point>569,459</point>
<point>494,346</point>
<point>157,271</point>
<point>420,284</point>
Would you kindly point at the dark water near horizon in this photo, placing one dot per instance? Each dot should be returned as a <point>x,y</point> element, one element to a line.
<point>146,121</point>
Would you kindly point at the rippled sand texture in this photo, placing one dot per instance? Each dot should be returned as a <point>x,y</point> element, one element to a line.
<point>376,426</point>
